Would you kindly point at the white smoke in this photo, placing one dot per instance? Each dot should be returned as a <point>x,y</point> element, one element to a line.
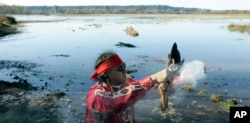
<point>191,73</point>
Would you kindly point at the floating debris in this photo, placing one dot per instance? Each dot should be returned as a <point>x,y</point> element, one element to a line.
<point>205,82</point>
<point>232,101</point>
<point>61,55</point>
<point>131,31</point>
<point>143,56</point>
<point>227,104</point>
<point>187,88</point>
<point>122,44</point>
<point>95,25</point>
<point>216,98</point>
<point>201,92</point>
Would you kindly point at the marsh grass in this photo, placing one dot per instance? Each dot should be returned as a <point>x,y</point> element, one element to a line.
<point>226,105</point>
<point>8,25</point>
<point>131,31</point>
<point>239,28</point>
<point>6,28</point>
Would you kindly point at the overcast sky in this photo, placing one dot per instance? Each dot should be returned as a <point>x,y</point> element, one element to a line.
<point>203,4</point>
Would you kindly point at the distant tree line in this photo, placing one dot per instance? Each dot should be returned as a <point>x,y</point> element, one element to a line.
<point>136,9</point>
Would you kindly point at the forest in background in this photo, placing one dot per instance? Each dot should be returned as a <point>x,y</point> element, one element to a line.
<point>131,9</point>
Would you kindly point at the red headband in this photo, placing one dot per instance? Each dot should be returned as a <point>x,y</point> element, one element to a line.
<point>110,63</point>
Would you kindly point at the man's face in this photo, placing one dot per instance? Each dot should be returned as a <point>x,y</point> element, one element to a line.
<point>117,75</point>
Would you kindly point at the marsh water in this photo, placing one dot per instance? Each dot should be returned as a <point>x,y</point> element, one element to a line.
<point>65,49</point>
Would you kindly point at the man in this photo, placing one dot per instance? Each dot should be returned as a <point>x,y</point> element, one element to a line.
<point>112,98</point>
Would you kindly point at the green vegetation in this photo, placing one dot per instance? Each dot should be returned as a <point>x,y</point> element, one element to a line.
<point>216,98</point>
<point>201,92</point>
<point>239,28</point>
<point>131,9</point>
<point>230,103</point>
<point>226,104</point>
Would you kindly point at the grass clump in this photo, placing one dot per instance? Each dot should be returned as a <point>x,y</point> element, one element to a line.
<point>239,28</point>
<point>216,98</point>
<point>131,31</point>
<point>187,88</point>
<point>201,92</point>
<point>230,103</point>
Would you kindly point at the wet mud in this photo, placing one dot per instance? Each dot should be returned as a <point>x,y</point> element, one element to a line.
<point>21,101</point>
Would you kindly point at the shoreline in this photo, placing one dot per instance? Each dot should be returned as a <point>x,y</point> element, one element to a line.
<point>193,15</point>
<point>162,16</point>
<point>59,94</point>
<point>13,28</point>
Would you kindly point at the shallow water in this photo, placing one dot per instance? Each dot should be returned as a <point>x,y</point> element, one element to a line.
<point>82,38</point>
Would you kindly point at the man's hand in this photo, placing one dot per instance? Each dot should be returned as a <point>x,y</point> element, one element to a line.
<point>159,77</point>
